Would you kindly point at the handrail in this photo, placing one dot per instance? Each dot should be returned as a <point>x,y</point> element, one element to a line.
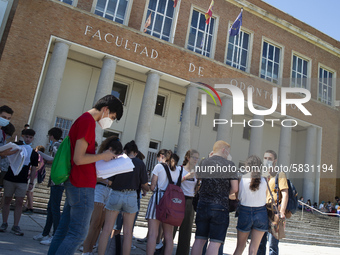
<point>312,208</point>
<point>329,214</point>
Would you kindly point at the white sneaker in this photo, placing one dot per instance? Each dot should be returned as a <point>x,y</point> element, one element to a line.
<point>40,237</point>
<point>48,241</point>
<point>159,245</point>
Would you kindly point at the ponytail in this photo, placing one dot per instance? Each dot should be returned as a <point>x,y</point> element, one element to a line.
<point>171,159</point>
<point>254,163</point>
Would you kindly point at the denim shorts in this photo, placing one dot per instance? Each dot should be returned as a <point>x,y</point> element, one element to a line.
<point>252,218</point>
<point>124,201</point>
<point>212,221</point>
<point>101,194</point>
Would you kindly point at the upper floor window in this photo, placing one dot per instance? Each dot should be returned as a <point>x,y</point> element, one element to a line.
<point>326,90</point>
<point>162,13</point>
<point>201,34</point>
<point>120,91</point>
<point>299,72</point>
<point>270,65</point>
<point>112,9</point>
<point>238,51</point>
<point>67,1</point>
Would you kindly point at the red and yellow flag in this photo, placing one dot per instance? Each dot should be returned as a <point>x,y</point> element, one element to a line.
<point>147,23</point>
<point>208,14</point>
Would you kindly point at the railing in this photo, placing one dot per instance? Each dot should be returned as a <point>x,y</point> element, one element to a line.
<point>316,210</point>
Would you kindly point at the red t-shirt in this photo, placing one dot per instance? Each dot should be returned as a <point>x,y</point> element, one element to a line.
<point>83,176</point>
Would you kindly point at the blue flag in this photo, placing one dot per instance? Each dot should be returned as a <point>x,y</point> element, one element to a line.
<point>235,28</point>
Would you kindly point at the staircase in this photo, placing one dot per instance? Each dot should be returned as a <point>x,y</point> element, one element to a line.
<point>313,229</point>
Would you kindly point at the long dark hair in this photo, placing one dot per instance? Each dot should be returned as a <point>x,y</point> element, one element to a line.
<point>171,159</point>
<point>111,142</point>
<point>188,155</point>
<point>254,163</point>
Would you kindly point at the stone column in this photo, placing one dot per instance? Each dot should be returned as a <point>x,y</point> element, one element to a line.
<point>224,131</point>
<point>285,146</point>
<point>310,159</point>
<point>43,120</point>
<point>188,122</point>
<point>104,87</point>
<point>147,112</point>
<point>256,138</point>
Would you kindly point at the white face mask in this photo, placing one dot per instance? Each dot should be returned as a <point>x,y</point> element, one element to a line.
<point>267,163</point>
<point>105,123</point>
<point>229,157</point>
<point>3,122</point>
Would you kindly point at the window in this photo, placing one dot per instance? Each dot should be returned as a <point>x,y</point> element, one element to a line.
<point>197,116</point>
<point>325,94</point>
<point>160,105</point>
<point>270,65</point>
<point>217,116</point>
<point>201,34</point>
<point>67,1</point>
<point>119,90</point>
<point>162,12</point>
<point>299,72</point>
<point>64,124</point>
<point>112,9</point>
<point>246,131</point>
<point>238,51</point>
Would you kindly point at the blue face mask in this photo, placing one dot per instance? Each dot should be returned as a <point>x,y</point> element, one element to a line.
<point>30,144</point>
<point>3,122</point>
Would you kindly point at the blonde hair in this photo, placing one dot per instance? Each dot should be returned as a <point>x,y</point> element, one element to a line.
<point>220,145</point>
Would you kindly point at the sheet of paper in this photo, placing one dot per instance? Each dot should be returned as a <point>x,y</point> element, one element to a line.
<point>13,146</point>
<point>122,164</point>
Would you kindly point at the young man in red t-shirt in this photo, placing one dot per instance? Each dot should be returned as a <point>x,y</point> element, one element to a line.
<point>79,188</point>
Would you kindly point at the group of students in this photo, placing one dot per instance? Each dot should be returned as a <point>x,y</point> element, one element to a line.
<point>93,205</point>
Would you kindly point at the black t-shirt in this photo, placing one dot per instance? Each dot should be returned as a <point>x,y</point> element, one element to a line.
<point>131,180</point>
<point>23,175</point>
<point>216,189</point>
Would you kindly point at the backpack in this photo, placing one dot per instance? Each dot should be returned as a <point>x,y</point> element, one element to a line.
<point>171,207</point>
<point>292,195</point>
<point>61,166</point>
<point>41,174</point>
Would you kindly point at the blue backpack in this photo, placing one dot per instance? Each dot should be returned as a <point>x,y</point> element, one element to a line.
<point>292,194</point>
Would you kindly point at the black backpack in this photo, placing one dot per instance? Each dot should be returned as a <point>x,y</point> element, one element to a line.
<point>292,194</point>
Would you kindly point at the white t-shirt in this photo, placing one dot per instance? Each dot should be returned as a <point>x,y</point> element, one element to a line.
<point>163,181</point>
<point>251,198</point>
<point>188,186</point>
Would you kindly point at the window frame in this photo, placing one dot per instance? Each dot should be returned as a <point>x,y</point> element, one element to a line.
<point>309,69</point>
<point>281,62</point>
<point>173,25</point>
<point>127,11</point>
<point>328,69</point>
<point>62,128</point>
<point>250,49</point>
<point>127,90</point>
<point>197,114</point>
<point>214,34</point>
<point>165,105</point>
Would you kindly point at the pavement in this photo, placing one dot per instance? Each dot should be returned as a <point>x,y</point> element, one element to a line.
<point>32,225</point>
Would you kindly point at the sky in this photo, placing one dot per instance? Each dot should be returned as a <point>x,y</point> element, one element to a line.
<point>323,15</point>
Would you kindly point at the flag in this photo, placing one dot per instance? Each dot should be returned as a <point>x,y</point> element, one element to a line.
<point>235,28</point>
<point>175,3</point>
<point>147,23</point>
<point>208,14</point>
